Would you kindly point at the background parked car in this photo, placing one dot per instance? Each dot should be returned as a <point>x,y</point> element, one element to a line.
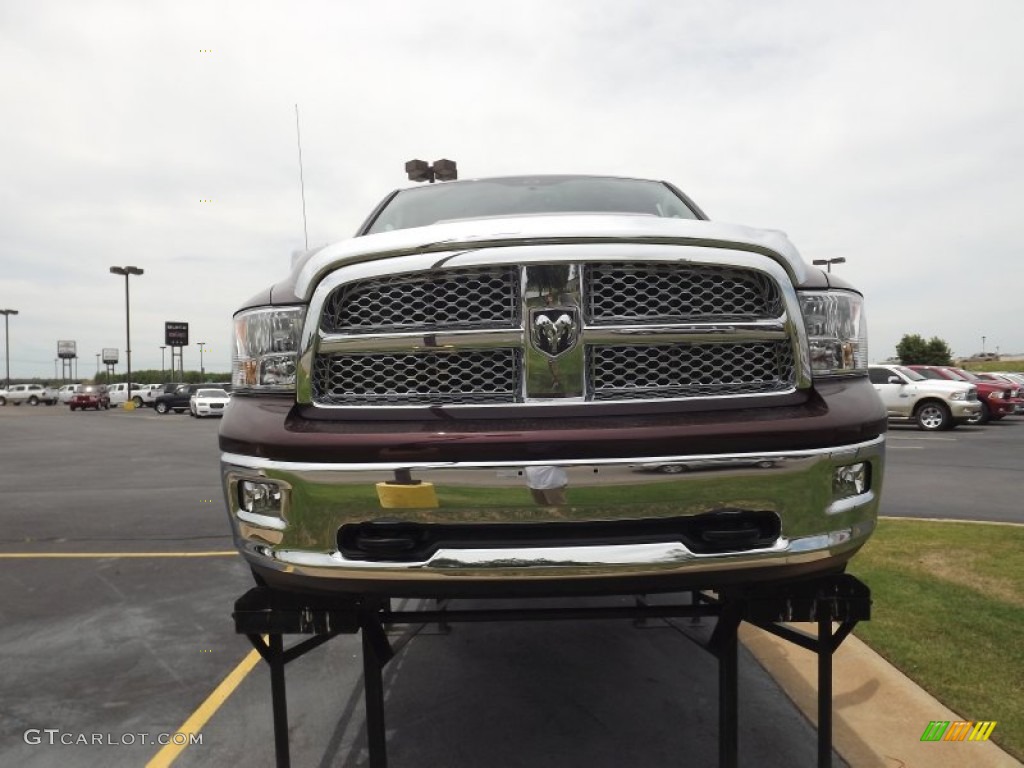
<point>90,396</point>
<point>1014,379</point>
<point>33,394</point>
<point>932,404</point>
<point>208,402</point>
<point>993,396</point>
<point>64,393</point>
<point>177,399</point>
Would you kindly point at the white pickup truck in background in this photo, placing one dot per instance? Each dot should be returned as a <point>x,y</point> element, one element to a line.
<point>933,404</point>
<point>33,394</point>
<point>142,394</point>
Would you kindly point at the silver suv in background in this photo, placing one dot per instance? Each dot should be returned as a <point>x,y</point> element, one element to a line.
<point>932,404</point>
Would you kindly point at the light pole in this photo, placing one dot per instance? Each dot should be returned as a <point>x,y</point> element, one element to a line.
<point>7,344</point>
<point>127,271</point>
<point>202,370</point>
<point>827,263</point>
<point>97,367</point>
<point>162,350</point>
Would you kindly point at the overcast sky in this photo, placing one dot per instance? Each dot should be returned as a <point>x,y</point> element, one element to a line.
<point>891,134</point>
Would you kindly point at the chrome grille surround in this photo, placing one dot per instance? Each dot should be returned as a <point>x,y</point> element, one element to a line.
<point>755,348</point>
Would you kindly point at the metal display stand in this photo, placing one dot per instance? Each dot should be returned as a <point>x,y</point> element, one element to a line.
<point>838,599</point>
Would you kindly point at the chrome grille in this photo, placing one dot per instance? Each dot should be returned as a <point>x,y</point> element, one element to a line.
<point>479,376</point>
<point>639,293</point>
<point>466,335</point>
<point>624,372</point>
<point>425,301</point>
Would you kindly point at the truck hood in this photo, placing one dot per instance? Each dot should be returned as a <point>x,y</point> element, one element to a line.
<point>944,385</point>
<point>491,232</point>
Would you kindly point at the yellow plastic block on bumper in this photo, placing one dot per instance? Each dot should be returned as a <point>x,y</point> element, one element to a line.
<point>396,496</point>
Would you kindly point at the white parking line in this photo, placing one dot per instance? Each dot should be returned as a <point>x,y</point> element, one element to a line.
<point>922,437</point>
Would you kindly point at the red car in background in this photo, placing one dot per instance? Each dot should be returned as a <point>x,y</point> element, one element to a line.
<point>998,399</point>
<point>90,396</point>
<point>1013,379</point>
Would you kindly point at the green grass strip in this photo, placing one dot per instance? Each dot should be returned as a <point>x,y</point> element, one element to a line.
<point>948,610</point>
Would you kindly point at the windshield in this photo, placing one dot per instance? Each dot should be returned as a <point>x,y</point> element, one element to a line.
<point>967,375</point>
<point>203,393</point>
<point>422,206</point>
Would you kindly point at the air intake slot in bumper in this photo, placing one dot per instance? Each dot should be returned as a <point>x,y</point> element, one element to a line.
<point>719,531</point>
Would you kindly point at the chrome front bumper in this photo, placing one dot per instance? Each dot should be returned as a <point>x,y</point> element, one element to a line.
<point>965,409</point>
<point>820,526</point>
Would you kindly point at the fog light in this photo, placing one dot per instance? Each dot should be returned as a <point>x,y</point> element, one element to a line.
<point>259,498</point>
<point>851,480</point>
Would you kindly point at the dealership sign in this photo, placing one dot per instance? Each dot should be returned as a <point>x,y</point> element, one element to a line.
<point>66,349</point>
<point>110,355</point>
<point>176,334</point>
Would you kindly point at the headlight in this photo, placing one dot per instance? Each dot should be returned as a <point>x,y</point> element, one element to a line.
<point>997,396</point>
<point>836,331</point>
<point>266,349</point>
<point>958,396</point>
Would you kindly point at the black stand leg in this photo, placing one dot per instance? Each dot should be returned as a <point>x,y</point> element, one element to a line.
<point>824,689</point>
<point>279,699</point>
<point>724,644</point>
<point>376,653</point>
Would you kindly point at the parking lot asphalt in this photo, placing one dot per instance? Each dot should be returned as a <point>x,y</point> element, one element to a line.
<point>99,643</point>
<point>969,473</point>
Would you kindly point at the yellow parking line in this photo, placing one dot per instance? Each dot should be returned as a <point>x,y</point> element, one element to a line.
<point>45,555</point>
<point>169,753</point>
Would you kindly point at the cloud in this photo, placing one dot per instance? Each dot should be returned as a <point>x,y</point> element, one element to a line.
<point>886,133</point>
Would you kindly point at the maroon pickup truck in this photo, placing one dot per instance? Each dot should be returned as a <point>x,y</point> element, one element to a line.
<point>463,399</point>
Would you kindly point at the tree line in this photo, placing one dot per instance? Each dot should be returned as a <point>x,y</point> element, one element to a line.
<point>156,376</point>
<point>914,350</point>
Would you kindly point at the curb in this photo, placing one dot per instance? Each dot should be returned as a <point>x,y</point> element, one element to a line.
<point>878,713</point>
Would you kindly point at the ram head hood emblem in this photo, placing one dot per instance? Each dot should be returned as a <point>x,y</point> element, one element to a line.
<point>554,330</point>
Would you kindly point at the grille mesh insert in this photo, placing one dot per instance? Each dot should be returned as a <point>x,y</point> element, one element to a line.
<point>623,372</point>
<point>638,293</point>
<point>457,298</point>
<point>482,376</point>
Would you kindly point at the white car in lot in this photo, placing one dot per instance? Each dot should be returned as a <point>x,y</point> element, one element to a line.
<point>932,404</point>
<point>208,402</point>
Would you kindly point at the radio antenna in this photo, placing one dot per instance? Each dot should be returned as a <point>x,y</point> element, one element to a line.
<point>302,181</point>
